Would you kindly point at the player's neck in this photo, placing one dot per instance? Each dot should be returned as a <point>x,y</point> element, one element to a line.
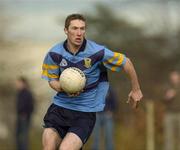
<point>73,48</point>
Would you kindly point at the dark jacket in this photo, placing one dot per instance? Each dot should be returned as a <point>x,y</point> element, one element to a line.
<point>111,101</point>
<point>25,102</point>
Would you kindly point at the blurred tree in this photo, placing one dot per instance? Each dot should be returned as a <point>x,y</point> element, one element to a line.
<point>107,27</point>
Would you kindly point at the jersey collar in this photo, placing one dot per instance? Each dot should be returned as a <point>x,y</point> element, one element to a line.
<point>82,48</point>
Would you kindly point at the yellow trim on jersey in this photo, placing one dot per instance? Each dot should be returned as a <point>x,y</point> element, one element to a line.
<point>120,60</point>
<point>110,60</point>
<point>45,73</point>
<point>118,63</point>
<point>46,66</point>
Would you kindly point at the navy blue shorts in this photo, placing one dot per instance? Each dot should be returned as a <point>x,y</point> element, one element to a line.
<point>66,120</point>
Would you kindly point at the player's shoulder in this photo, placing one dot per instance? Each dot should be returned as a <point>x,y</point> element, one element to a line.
<point>56,48</point>
<point>94,46</point>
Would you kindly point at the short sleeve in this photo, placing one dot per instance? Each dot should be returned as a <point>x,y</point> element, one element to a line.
<point>50,69</point>
<point>113,60</point>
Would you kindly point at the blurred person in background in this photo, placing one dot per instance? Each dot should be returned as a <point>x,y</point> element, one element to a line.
<point>105,123</point>
<point>25,107</point>
<point>172,115</point>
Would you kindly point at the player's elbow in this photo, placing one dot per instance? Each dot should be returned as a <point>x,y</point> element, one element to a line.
<point>128,60</point>
<point>128,64</point>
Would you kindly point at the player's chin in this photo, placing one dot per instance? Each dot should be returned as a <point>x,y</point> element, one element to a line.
<point>78,43</point>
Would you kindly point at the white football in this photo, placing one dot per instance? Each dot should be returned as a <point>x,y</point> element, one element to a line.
<point>72,80</point>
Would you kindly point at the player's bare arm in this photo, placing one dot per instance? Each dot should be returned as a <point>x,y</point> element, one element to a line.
<point>54,84</point>
<point>135,95</point>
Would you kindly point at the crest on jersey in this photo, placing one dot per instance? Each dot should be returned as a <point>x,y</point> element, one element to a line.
<point>87,62</point>
<point>63,63</point>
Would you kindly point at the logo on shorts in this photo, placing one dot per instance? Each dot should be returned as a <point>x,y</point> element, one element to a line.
<point>63,63</point>
<point>87,62</point>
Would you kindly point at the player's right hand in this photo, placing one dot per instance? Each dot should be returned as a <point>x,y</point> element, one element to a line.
<point>135,97</point>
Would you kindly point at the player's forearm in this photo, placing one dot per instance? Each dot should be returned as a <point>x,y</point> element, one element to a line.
<point>129,69</point>
<point>55,85</point>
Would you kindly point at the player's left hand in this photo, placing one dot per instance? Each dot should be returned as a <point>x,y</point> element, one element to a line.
<point>75,94</point>
<point>134,97</point>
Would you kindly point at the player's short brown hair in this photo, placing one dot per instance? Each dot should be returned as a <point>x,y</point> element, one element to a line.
<point>73,17</point>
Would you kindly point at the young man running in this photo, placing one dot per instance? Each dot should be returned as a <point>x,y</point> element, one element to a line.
<point>69,121</point>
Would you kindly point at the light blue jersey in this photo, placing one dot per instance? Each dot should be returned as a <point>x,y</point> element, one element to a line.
<point>92,59</point>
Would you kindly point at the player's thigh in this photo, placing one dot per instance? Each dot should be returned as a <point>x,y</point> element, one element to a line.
<point>50,139</point>
<point>71,142</point>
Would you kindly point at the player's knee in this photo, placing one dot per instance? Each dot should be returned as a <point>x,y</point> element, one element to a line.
<point>64,147</point>
<point>50,139</point>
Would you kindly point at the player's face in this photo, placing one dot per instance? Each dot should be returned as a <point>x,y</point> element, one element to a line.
<point>76,32</point>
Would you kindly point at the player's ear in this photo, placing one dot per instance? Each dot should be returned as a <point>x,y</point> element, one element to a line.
<point>65,30</point>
